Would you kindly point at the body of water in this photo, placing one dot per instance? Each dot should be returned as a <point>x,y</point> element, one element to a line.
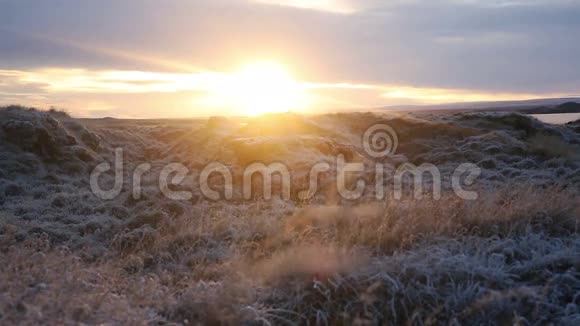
<point>557,118</point>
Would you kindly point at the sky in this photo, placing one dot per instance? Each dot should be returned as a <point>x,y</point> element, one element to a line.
<point>179,58</point>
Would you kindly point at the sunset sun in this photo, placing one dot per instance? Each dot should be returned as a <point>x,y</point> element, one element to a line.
<point>262,87</point>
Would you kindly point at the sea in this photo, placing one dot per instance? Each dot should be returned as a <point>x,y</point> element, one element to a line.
<point>557,118</point>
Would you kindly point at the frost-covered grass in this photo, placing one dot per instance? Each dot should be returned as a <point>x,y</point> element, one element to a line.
<point>510,257</point>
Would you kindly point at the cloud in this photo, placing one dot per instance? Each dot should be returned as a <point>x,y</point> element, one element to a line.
<point>491,47</point>
<point>120,92</point>
<point>417,95</point>
<point>12,84</point>
<point>109,81</point>
<point>332,6</point>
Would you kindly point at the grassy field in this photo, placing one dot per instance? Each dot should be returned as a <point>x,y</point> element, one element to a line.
<point>511,256</point>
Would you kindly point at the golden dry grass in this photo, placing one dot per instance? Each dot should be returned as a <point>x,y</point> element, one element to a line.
<point>231,265</point>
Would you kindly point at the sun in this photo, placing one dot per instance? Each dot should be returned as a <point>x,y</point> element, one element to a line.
<point>261,87</point>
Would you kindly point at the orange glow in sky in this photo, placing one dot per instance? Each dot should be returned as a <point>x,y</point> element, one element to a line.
<point>252,89</point>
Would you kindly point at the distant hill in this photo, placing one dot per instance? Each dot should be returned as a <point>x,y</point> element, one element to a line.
<point>535,106</point>
<point>568,107</point>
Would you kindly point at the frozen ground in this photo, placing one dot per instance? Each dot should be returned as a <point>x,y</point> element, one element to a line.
<point>511,256</point>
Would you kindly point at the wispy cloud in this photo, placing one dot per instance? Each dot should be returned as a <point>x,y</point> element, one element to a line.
<point>79,80</point>
<point>98,92</point>
<point>332,6</point>
<point>420,95</point>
